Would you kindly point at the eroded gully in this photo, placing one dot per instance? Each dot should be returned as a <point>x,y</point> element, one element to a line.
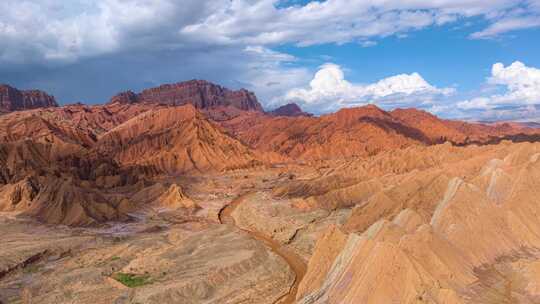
<point>295,262</point>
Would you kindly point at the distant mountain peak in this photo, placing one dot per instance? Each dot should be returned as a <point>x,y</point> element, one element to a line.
<point>12,99</point>
<point>200,93</point>
<point>290,109</point>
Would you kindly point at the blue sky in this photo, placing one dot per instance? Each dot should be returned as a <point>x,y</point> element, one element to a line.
<point>444,55</point>
<point>456,58</point>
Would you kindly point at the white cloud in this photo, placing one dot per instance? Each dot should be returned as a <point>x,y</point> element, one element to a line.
<point>368,43</point>
<point>524,113</point>
<point>340,21</point>
<point>232,41</point>
<point>525,15</point>
<point>522,82</point>
<point>58,30</point>
<point>475,103</point>
<point>507,25</point>
<point>521,85</point>
<point>329,90</point>
<point>268,54</point>
<point>268,74</point>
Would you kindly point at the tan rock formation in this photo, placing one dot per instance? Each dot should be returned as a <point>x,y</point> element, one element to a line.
<point>432,249</point>
<point>174,140</point>
<point>62,202</point>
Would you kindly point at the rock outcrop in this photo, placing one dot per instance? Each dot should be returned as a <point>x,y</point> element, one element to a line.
<point>61,201</point>
<point>197,128</point>
<point>201,94</point>
<point>291,109</point>
<point>443,233</point>
<point>361,132</point>
<point>194,194</point>
<point>174,140</point>
<point>12,99</point>
<point>97,149</point>
<point>347,133</point>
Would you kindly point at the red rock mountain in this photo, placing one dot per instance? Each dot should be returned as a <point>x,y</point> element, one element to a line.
<point>360,131</point>
<point>12,99</point>
<point>174,140</point>
<point>291,109</point>
<point>61,165</point>
<point>50,153</point>
<point>349,132</point>
<point>202,94</point>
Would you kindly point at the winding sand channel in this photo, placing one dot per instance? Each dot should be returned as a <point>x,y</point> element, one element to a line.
<point>295,262</point>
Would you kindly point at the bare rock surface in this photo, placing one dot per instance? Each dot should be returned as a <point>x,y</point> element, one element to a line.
<point>174,140</point>
<point>291,109</point>
<point>462,245</point>
<point>12,99</point>
<point>278,219</point>
<point>361,132</point>
<point>189,264</point>
<point>190,193</point>
<point>201,94</point>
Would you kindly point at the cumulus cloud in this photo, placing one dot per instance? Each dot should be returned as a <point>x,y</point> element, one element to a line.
<point>329,90</point>
<point>474,103</point>
<point>520,84</point>
<point>523,113</point>
<point>44,31</point>
<point>227,41</point>
<point>57,30</point>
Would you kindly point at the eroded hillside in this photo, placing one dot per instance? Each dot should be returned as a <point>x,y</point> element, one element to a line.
<point>161,197</point>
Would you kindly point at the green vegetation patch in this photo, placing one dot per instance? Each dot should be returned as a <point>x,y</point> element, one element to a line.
<point>132,280</point>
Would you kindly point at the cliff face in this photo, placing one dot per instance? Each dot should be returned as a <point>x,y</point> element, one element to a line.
<point>201,94</point>
<point>12,99</point>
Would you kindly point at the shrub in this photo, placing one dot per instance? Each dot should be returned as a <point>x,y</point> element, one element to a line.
<point>132,280</point>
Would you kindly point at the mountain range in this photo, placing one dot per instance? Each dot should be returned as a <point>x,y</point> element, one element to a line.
<point>339,208</point>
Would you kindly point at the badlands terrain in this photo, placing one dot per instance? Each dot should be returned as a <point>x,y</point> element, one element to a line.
<point>192,193</point>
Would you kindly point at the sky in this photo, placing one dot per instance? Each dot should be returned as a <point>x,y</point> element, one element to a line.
<point>468,59</point>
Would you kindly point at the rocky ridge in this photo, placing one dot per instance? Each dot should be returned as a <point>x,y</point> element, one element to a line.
<point>448,233</point>
<point>12,99</point>
<point>73,148</point>
<point>201,94</point>
<point>291,109</point>
<point>205,201</point>
<point>359,132</point>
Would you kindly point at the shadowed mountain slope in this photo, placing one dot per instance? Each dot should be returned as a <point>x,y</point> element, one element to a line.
<point>12,99</point>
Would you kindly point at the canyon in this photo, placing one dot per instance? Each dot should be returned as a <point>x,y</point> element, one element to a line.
<point>192,193</point>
